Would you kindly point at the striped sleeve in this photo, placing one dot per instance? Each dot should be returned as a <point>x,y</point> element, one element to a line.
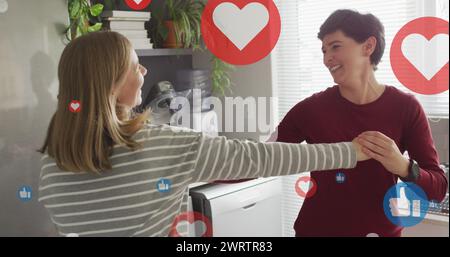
<point>223,159</point>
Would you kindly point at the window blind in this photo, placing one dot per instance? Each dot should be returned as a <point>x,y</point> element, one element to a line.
<point>297,59</point>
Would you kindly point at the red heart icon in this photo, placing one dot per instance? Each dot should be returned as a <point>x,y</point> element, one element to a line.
<point>75,106</point>
<point>188,219</point>
<point>305,186</point>
<point>406,71</point>
<point>138,4</point>
<point>241,32</point>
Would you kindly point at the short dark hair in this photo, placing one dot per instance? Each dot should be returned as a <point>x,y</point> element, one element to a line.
<point>357,26</point>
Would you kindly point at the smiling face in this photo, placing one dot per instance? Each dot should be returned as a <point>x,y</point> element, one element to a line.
<point>130,93</point>
<point>347,60</point>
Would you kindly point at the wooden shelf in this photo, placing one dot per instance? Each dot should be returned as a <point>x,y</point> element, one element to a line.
<point>163,52</point>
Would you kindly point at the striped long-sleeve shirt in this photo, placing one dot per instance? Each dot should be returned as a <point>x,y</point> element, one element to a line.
<point>126,200</point>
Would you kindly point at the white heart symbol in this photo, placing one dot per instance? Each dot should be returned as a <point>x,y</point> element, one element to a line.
<point>137,1</point>
<point>427,56</point>
<point>198,226</point>
<point>305,186</point>
<point>240,26</point>
<point>74,106</point>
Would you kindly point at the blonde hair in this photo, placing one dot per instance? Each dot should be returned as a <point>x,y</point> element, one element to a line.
<point>89,68</point>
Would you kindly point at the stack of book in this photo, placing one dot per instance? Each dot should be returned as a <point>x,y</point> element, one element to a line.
<point>130,24</point>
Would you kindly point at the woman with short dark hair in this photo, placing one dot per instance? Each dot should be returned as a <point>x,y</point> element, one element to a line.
<point>359,27</point>
<point>352,46</point>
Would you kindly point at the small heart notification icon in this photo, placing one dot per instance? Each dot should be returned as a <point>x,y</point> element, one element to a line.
<point>305,186</point>
<point>191,223</point>
<point>75,106</point>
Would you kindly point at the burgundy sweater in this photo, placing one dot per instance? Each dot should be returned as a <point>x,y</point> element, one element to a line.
<point>355,207</point>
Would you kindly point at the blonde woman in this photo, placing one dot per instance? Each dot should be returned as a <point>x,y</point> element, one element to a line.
<point>101,166</point>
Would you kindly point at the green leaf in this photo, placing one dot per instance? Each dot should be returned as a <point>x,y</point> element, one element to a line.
<point>220,76</point>
<point>78,32</point>
<point>163,31</point>
<point>82,24</point>
<point>74,8</point>
<point>96,10</point>
<point>95,27</point>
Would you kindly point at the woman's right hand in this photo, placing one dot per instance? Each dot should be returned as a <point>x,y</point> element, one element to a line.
<point>360,155</point>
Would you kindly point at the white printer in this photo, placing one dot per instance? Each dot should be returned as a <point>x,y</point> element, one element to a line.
<point>247,209</point>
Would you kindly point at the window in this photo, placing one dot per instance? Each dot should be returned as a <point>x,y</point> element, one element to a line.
<point>297,60</point>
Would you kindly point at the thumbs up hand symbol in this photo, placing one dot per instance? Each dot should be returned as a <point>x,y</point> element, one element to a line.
<point>400,207</point>
<point>163,185</point>
<point>24,193</point>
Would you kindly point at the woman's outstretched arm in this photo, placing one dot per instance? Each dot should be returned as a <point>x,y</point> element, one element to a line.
<point>223,159</point>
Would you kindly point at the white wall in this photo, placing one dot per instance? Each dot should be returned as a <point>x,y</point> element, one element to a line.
<point>30,46</point>
<point>253,80</point>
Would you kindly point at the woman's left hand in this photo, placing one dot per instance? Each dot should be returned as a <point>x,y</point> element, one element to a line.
<point>380,147</point>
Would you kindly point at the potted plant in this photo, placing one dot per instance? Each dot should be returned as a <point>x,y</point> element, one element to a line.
<point>220,76</point>
<point>178,23</point>
<point>80,14</point>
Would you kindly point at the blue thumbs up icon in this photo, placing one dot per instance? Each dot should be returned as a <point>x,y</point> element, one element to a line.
<point>24,193</point>
<point>163,185</point>
<point>340,177</point>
